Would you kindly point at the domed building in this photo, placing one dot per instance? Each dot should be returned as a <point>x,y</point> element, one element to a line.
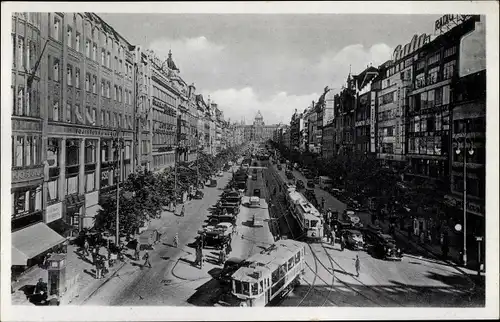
<point>258,131</point>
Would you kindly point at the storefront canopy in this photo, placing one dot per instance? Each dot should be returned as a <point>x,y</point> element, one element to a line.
<point>32,241</point>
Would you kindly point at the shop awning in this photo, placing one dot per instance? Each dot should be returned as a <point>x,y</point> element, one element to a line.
<point>92,210</point>
<point>32,241</point>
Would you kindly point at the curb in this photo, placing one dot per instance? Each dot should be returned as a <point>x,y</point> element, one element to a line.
<point>183,278</point>
<point>103,283</point>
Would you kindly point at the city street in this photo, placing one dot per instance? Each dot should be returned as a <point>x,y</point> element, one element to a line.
<point>173,280</point>
<point>330,278</point>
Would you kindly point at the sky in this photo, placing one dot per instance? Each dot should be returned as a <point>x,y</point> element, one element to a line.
<point>274,63</point>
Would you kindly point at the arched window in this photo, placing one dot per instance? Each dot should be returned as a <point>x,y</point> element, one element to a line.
<point>20,101</point>
<point>55,111</point>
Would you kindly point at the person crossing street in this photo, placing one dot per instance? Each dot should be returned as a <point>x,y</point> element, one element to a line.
<point>176,240</point>
<point>146,260</point>
<point>357,266</point>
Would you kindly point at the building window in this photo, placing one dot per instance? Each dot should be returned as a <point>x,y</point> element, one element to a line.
<point>446,94</point>
<point>87,48</point>
<point>433,76</point>
<point>433,59</point>
<point>102,118</point>
<point>28,103</point>
<point>77,78</point>
<point>108,90</point>
<point>55,69</point>
<point>450,51</point>
<point>449,69</point>
<point>116,64</point>
<point>94,84</point>
<point>420,80</point>
<point>70,38</point>
<point>19,152</point>
<point>20,101</point>
<point>90,181</point>
<point>55,111</point>
<point>103,57</point>
<point>69,76</point>
<point>52,186</point>
<point>68,112</point>
<point>102,88</point>
<point>120,94</point>
<point>77,42</point>
<point>94,52</point>
<point>116,93</point>
<point>26,201</point>
<point>90,151</point>
<point>87,82</point>
<point>20,53</point>
<point>55,29</point>
<point>71,185</point>
<point>108,60</point>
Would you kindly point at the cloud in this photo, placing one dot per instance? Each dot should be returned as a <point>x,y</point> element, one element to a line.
<point>334,66</point>
<point>245,103</point>
<point>243,80</point>
<point>191,55</point>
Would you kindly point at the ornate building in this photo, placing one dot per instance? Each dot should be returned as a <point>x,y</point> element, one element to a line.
<point>258,131</point>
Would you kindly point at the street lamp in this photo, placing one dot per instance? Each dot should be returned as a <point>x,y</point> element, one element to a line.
<point>118,143</point>
<point>471,152</point>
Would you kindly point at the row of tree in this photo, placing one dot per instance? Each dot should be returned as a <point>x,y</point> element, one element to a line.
<point>144,194</point>
<point>362,177</point>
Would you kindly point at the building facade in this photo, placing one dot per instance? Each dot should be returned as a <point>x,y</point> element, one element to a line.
<point>258,131</point>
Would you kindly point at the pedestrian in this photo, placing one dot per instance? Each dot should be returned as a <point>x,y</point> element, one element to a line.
<point>94,255</point>
<point>333,237</point>
<point>137,251</point>
<point>176,240</point>
<point>357,266</point>
<point>146,260</point>
<point>98,268</point>
<point>40,291</point>
<point>322,202</point>
<point>222,254</point>
<point>327,232</point>
<point>86,247</point>
<point>182,210</point>
<point>105,265</point>
<point>422,237</point>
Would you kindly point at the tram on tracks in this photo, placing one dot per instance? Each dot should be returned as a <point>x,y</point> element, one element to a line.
<point>308,217</point>
<point>268,275</point>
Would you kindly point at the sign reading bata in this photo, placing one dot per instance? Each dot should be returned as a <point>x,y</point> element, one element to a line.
<point>53,212</point>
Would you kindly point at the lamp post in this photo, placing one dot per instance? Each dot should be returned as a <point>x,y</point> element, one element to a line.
<point>119,145</point>
<point>471,152</point>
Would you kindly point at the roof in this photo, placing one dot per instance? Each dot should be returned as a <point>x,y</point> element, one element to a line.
<point>268,260</point>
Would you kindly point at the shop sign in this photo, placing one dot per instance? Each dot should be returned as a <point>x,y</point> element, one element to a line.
<point>450,21</point>
<point>84,131</point>
<point>53,212</point>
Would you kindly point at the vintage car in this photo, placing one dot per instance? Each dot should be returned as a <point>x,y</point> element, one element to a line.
<point>310,184</point>
<point>232,199</point>
<point>254,202</point>
<point>353,239</point>
<point>217,236</point>
<point>220,218</point>
<point>289,175</point>
<point>198,194</point>
<point>350,215</point>
<point>212,183</point>
<point>382,245</point>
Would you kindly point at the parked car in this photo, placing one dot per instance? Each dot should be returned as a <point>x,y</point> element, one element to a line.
<point>300,184</point>
<point>212,183</point>
<point>198,194</point>
<point>354,239</point>
<point>280,167</point>
<point>310,184</point>
<point>381,245</point>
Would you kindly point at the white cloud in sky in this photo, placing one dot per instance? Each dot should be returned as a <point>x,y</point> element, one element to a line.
<point>275,84</point>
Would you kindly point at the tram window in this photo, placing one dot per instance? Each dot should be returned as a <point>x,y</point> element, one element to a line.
<point>314,223</point>
<point>297,257</point>
<point>238,288</point>
<point>307,223</point>
<point>246,288</point>
<point>255,288</point>
<point>261,286</point>
<point>275,276</point>
<point>290,263</point>
<point>282,270</point>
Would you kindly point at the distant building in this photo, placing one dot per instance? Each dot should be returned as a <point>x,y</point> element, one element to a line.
<point>258,131</point>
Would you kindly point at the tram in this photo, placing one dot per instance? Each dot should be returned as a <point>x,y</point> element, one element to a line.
<point>268,275</point>
<point>308,217</point>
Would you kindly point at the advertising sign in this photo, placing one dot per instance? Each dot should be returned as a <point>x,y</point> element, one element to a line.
<point>473,51</point>
<point>372,122</point>
<point>53,212</point>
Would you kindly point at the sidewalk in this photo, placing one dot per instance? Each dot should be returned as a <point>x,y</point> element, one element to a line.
<point>79,273</point>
